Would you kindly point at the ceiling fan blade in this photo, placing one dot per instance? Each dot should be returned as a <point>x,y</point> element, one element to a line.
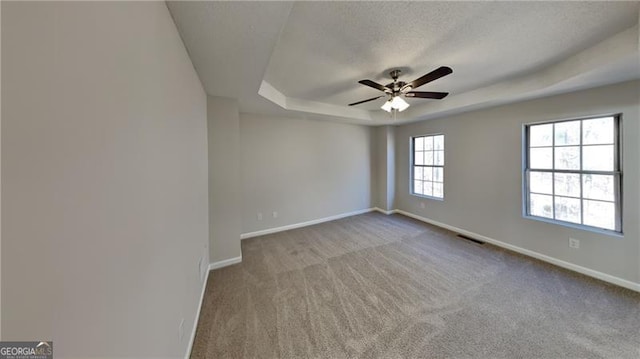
<point>375,85</point>
<point>422,94</point>
<point>431,76</point>
<point>359,102</point>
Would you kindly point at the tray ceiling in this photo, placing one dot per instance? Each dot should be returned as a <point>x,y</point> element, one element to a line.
<point>305,58</point>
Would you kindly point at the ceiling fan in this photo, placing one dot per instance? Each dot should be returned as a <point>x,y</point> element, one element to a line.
<point>396,89</point>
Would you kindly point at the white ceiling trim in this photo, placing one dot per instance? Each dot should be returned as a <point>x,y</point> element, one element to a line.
<point>318,108</point>
<point>620,48</point>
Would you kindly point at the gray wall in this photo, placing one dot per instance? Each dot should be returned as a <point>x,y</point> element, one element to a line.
<point>224,178</point>
<point>104,179</point>
<point>302,169</point>
<point>379,165</point>
<point>483,177</point>
<point>384,180</point>
<point>391,167</point>
<point>0,178</point>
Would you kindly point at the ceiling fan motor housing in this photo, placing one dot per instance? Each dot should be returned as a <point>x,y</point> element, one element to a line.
<point>396,86</point>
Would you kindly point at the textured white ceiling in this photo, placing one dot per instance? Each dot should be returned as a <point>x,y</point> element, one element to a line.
<point>230,44</point>
<point>310,55</point>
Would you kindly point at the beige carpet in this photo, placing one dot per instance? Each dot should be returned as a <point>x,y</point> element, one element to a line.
<point>376,286</point>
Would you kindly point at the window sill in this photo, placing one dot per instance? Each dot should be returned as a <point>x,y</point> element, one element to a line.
<point>441,199</point>
<point>576,226</point>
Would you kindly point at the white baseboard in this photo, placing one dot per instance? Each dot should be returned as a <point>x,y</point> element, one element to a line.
<point>304,224</point>
<point>225,263</point>
<point>543,257</point>
<point>212,266</point>
<point>386,212</point>
<point>195,322</point>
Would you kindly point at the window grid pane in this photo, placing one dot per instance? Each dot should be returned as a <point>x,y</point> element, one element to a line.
<point>428,166</point>
<point>572,172</point>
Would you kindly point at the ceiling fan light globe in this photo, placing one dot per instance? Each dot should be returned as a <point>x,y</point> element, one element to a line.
<point>387,106</point>
<point>399,104</point>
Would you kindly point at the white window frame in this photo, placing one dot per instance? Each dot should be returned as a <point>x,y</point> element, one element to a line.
<point>616,173</point>
<point>412,166</point>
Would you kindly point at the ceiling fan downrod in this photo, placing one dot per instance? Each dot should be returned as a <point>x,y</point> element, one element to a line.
<point>395,74</point>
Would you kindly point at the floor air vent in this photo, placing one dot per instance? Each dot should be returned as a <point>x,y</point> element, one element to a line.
<point>470,239</point>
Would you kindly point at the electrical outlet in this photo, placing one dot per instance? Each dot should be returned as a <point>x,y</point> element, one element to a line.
<point>275,214</point>
<point>574,243</point>
<point>181,330</point>
<point>259,216</point>
<point>421,204</point>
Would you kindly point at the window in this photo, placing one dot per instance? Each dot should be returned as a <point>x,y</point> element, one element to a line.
<point>427,166</point>
<point>572,172</point>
